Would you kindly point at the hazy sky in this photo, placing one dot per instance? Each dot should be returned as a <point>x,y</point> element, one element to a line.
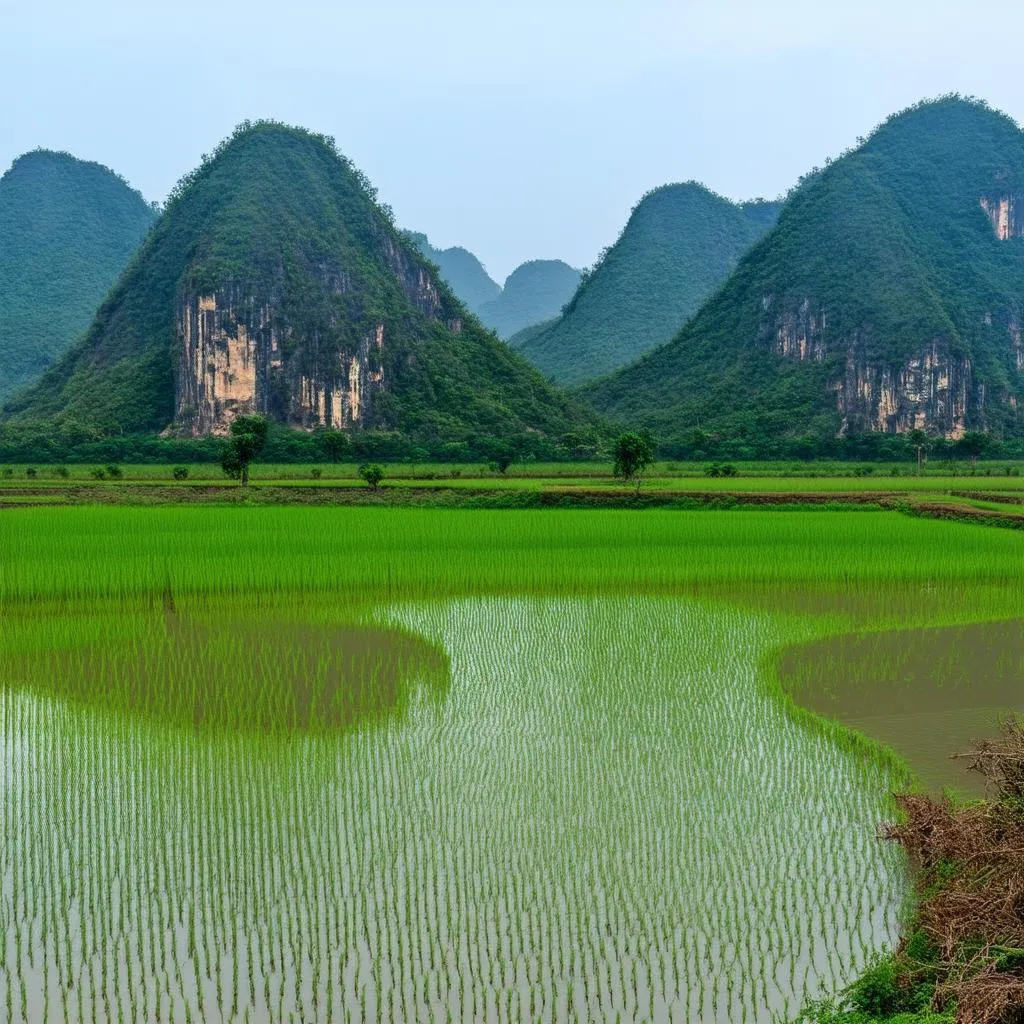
<point>519,129</point>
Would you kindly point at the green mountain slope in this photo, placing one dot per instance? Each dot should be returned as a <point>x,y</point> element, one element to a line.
<point>67,229</point>
<point>534,292</point>
<point>679,245</point>
<point>274,283</point>
<point>888,297</point>
<point>462,272</point>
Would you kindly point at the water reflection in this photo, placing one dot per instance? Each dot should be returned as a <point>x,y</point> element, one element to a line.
<point>928,693</point>
<point>251,673</point>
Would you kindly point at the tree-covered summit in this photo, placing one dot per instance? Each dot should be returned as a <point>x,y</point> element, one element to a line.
<point>679,245</point>
<point>532,294</point>
<point>67,229</point>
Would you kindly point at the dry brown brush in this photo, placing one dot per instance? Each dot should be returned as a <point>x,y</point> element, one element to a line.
<point>971,888</point>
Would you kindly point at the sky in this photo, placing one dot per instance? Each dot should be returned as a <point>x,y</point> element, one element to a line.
<point>521,130</point>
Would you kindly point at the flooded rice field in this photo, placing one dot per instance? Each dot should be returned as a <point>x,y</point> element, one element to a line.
<point>927,693</point>
<point>479,809</point>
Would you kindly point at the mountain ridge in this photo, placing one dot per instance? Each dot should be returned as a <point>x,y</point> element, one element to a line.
<point>68,227</point>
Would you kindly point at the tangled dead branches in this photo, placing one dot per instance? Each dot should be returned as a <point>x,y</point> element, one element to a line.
<point>971,887</point>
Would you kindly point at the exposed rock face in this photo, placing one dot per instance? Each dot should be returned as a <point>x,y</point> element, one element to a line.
<point>238,355</point>
<point>1006,214</point>
<point>417,285</point>
<point>800,334</point>
<point>933,390</point>
<point>930,391</point>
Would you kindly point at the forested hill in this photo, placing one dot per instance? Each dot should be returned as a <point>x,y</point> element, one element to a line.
<point>534,292</point>
<point>462,271</point>
<point>67,229</point>
<point>679,245</point>
<point>275,283</point>
<point>888,297</point>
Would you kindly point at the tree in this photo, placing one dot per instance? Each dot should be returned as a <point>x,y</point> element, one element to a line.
<point>417,455</point>
<point>501,458</point>
<point>248,436</point>
<point>581,444</point>
<point>975,444</point>
<point>335,444</point>
<point>634,455</point>
<point>372,474</point>
<point>920,442</point>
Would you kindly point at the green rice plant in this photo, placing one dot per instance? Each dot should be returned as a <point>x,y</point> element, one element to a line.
<point>364,764</point>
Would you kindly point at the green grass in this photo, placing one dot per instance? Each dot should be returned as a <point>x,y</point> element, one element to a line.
<point>382,762</point>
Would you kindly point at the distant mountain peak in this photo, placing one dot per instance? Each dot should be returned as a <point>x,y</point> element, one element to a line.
<point>679,244</point>
<point>67,229</point>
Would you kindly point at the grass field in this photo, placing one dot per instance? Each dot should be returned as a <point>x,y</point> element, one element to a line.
<point>383,763</point>
<point>686,475</point>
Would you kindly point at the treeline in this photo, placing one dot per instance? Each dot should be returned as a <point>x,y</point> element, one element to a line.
<point>21,445</point>
<point>866,447</point>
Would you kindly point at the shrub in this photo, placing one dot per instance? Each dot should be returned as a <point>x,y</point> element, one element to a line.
<point>180,472</point>
<point>31,472</point>
<point>372,474</point>
<point>316,473</point>
<point>114,472</point>
<point>878,992</point>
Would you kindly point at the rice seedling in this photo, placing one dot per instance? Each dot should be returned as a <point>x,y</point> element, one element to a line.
<point>385,764</point>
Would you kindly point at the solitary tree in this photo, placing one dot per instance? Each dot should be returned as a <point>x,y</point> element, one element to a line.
<point>502,457</point>
<point>920,442</point>
<point>335,444</point>
<point>248,436</point>
<point>372,474</point>
<point>634,455</point>
<point>974,444</point>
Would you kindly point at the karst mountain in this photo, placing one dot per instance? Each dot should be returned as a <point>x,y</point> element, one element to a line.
<point>680,244</point>
<point>274,283</point>
<point>67,229</point>
<point>888,297</point>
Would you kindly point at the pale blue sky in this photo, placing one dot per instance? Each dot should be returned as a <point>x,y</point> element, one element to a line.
<point>521,129</point>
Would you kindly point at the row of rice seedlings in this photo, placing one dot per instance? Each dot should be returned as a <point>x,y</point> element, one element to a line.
<point>606,816</point>
<point>382,554</point>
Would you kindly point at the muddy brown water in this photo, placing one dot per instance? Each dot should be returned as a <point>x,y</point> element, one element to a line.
<point>266,675</point>
<point>927,693</point>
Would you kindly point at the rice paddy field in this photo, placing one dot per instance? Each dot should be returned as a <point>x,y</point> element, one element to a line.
<point>362,764</point>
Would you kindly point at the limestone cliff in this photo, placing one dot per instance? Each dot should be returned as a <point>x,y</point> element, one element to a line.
<point>238,355</point>
<point>1007,215</point>
<point>931,390</point>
